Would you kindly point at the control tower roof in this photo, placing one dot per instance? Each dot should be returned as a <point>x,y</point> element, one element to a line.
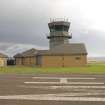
<point>59,22</point>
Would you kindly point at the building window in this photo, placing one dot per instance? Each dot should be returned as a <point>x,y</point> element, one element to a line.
<point>78,58</point>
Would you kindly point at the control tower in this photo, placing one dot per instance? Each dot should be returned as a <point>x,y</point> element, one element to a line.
<point>59,32</point>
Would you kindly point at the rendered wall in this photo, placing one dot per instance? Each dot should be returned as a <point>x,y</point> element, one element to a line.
<point>27,61</point>
<point>3,61</point>
<point>18,61</point>
<point>63,61</point>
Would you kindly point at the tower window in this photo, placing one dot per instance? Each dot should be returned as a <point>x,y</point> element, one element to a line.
<point>59,28</point>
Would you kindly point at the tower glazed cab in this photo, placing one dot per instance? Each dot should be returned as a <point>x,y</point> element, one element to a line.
<point>59,33</point>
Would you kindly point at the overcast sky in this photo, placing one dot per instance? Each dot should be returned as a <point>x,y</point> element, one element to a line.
<point>23,23</point>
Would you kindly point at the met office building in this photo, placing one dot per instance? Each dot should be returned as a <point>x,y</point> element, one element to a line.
<point>61,53</point>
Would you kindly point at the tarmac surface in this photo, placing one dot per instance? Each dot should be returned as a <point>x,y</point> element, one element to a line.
<point>52,89</point>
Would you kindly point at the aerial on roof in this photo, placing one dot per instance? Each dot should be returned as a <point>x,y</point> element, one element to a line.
<point>31,52</point>
<point>67,49</point>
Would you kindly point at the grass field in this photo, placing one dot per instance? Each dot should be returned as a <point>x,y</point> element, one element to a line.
<point>90,69</point>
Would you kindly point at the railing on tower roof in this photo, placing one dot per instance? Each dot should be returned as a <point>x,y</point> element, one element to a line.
<point>59,19</point>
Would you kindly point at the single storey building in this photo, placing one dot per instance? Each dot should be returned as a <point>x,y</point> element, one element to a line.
<point>66,55</point>
<point>27,58</point>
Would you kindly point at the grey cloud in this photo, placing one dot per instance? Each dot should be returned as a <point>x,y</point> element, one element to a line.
<point>94,40</point>
<point>24,22</point>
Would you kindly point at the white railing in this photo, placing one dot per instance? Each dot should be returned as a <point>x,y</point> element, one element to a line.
<point>58,19</point>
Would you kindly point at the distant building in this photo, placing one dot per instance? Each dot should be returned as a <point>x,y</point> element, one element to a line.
<point>61,52</point>
<point>3,59</point>
<point>27,58</point>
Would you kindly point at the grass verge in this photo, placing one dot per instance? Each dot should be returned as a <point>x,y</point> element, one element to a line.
<point>90,69</point>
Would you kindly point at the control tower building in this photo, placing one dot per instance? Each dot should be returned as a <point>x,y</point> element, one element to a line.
<point>61,53</point>
<point>59,32</point>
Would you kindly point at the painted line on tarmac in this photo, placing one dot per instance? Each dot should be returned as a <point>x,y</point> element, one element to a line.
<point>48,97</point>
<point>80,94</point>
<point>63,87</point>
<point>77,87</point>
<point>63,77</point>
<point>63,80</point>
<point>72,83</point>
